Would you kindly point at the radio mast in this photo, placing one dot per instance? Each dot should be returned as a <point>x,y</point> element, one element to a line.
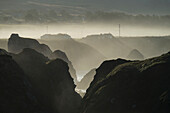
<point>119,30</point>
<point>47,29</point>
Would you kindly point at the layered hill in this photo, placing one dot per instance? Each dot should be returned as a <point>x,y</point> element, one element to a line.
<point>16,91</point>
<point>131,87</point>
<point>51,81</point>
<point>80,54</point>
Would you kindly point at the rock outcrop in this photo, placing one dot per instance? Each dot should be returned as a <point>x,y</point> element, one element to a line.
<point>135,55</point>
<point>16,91</point>
<point>16,44</point>
<point>132,87</point>
<point>51,80</point>
<point>61,55</point>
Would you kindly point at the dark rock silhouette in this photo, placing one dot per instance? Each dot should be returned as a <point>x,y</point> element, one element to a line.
<point>86,80</point>
<point>135,55</point>
<point>51,81</point>
<point>133,87</point>
<point>16,44</point>
<point>61,55</point>
<point>16,91</point>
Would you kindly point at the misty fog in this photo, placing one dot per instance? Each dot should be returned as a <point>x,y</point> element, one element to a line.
<point>81,30</point>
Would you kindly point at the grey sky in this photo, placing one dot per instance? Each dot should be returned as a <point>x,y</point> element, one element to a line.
<point>130,6</point>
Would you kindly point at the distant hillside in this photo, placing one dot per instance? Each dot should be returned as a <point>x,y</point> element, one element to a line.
<point>82,56</point>
<point>107,44</point>
<point>55,37</point>
<point>148,46</point>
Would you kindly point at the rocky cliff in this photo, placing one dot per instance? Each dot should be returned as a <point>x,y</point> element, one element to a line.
<point>132,87</point>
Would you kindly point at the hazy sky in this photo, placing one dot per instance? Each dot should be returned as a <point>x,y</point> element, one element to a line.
<point>130,6</point>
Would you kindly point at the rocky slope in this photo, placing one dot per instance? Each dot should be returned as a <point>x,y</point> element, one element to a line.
<point>51,81</point>
<point>132,87</point>
<point>16,91</point>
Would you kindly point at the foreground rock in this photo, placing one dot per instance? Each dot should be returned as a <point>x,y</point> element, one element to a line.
<point>51,81</point>
<point>16,44</point>
<point>133,87</point>
<point>16,91</point>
